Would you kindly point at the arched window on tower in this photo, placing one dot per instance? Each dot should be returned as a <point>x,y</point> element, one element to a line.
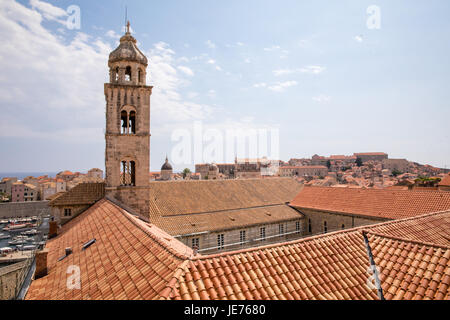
<point>128,122</point>
<point>124,122</point>
<point>140,76</point>
<point>128,173</point>
<point>132,122</point>
<point>128,74</point>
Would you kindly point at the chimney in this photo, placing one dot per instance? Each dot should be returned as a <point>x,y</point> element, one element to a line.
<point>41,264</point>
<point>53,229</point>
<point>68,251</point>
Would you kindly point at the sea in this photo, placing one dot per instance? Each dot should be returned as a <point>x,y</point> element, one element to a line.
<point>21,175</point>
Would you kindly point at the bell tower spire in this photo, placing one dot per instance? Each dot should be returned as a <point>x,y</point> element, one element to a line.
<point>127,152</point>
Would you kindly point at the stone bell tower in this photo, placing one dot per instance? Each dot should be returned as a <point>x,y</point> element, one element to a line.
<point>127,153</point>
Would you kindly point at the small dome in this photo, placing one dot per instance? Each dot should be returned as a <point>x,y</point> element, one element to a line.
<point>213,167</point>
<point>127,51</point>
<point>166,165</point>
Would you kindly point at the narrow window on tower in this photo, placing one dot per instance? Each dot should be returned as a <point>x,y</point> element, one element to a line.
<point>116,75</point>
<point>133,173</point>
<point>127,174</point>
<point>140,76</point>
<point>132,125</point>
<point>124,122</point>
<point>128,74</point>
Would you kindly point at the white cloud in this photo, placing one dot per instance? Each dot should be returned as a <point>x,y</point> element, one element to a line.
<point>247,60</point>
<point>281,86</point>
<point>210,44</point>
<point>54,87</point>
<point>272,48</point>
<point>307,69</point>
<point>359,38</point>
<point>186,70</point>
<point>322,99</point>
<point>212,93</point>
<point>211,61</point>
<point>313,69</point>
<point>260,85</point>
<point>167,103</point>
<point>49,11</point>
<point>112,34</point>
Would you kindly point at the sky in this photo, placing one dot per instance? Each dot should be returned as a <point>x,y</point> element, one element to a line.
<point>332,77</point>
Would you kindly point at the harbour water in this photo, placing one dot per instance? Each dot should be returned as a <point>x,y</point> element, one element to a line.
<point>43,231</point>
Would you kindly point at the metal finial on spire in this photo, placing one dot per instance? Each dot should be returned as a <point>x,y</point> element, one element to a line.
<point>128,27</point>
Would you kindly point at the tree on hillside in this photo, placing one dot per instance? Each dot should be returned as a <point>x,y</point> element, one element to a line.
<point>186,171</point>
<point>328,164</point>
<point>359,162</point>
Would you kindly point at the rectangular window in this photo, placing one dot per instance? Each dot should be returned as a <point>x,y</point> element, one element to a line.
<point>195,243</point>
<point>281,229</point>
<point>67,212</point>
<point>242,237</point>
<point>262,233</point>
<point>220,241</point>
<point>297,226</point>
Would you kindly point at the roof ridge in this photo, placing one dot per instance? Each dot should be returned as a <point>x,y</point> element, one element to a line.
<point>422,243</point>
<point>389,222</point>
<point>145,228</point>
<point>224,210</point>
<point>174,283</point>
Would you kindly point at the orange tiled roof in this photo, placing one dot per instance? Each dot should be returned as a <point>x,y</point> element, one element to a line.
<point>83,193</point>
<point>381,203</point>
<point>129,260</point>
<point>223,220</point>
<point>331,266</point>
<point>370,154</point>
<point>185,207</point>
<point>303,167</point>
<point>191,196</point>
<point>445,181</point>
<point>67,173</point>
<point>134,260</point>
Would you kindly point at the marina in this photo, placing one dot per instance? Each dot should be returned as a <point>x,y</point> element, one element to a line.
<point>21,235</point>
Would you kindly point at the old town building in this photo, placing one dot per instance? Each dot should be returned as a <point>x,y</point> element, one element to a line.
<point>166,171</point>
<point>328,209</point>
<point>127,155</point>
<point>302,171</point>
<point>371,156</point>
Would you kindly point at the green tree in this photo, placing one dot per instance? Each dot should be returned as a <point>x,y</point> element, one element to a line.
<point>328,164</point>
<point>396,172</point>
<point>359,162</point>
<point>186,171</point>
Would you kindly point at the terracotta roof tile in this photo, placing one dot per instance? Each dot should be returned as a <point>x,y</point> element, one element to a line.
<point>330,266</point>
<point>379,203</point>
<point>445,181</point>
<point>186,207</point>
<point>83,193</point>
<point>108,268</point>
